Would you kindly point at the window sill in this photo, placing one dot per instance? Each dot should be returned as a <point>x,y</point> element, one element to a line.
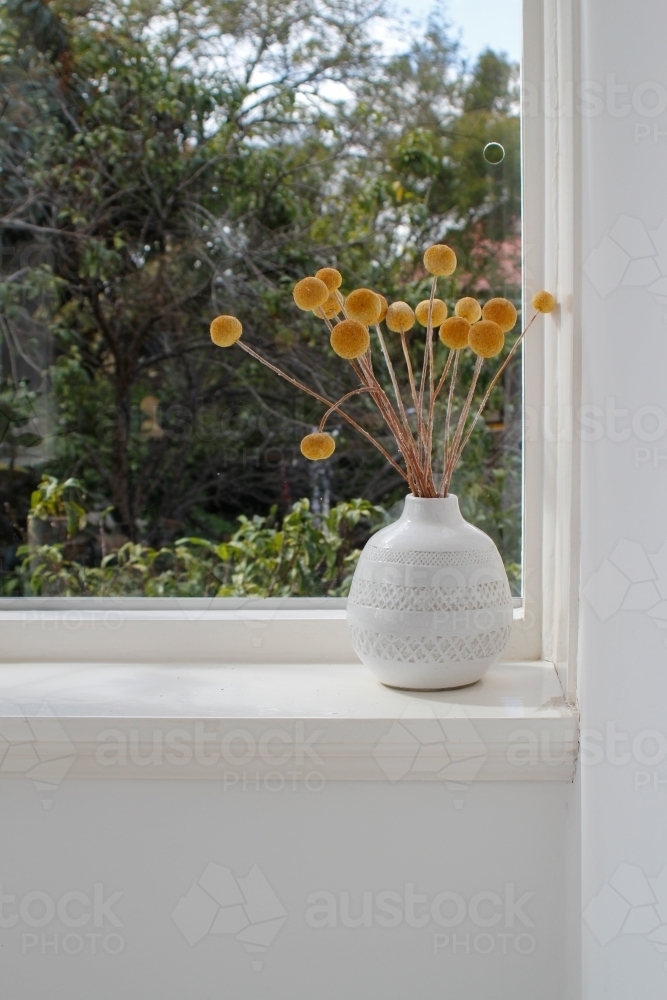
<point>275,723</point>
<point>171,630</point>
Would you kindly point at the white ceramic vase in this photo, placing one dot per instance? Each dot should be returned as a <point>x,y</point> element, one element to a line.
<point>430,605</point>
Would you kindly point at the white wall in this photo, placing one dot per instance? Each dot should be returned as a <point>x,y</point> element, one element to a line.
<point>150,840</point>
<point>623,659</point>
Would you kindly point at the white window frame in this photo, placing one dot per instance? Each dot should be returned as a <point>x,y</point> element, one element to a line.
<point>142,630</point>
<point>552,239</point>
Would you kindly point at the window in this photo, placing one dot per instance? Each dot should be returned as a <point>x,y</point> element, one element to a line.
<point>156,174</point>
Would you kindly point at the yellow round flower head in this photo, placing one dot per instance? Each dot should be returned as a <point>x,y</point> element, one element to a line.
<point>486,338</point>
<point>363,305</point>
<point>330,307</point>
<point>318,446</point>
<point>454,332</point>
<point>501,312</point>
<point>440,259</point>
<point>544,302</point>
<point>383,304</point>
<point>225,331</point>
<point>350,339</point>
<point>438,314</point>
<point>468,308</point>
<point>332,278</point>
<point>400,317</point>
<point>309,293</point>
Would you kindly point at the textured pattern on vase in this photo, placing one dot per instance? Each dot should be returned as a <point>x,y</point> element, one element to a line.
<point>392,597</point>
<point>431,649</point>
<point>412,558</point>
<point>430,607</point>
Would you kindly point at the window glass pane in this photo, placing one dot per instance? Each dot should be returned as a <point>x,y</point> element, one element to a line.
<point>158,170</point>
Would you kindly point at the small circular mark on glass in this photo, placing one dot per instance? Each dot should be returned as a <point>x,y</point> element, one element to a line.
<point>493,153</point>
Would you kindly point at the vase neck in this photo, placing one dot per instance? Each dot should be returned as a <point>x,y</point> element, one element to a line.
<point>439,511</point>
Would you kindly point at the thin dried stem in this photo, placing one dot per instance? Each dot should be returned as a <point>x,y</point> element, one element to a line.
<point>447,474</point>
<point>320,315</point>
<point>431,374</point>
<point>368,360</point>
<point>418,470</point>
<point>411,378</point>
<point>354,392</point>
<point>405,442</point>
<point>327,402</point>
<point>427,364</point>
<point>479,361</point>
<point>450,403</point>
<point>431,414</point>
<point>394,380</point>
<point>445,373</point>
<point>364,373</point>
<point>493,382</point>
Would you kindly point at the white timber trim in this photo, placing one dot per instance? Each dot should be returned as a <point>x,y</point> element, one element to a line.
<point>268,725</point>
<point>551,178</point>
<point>171,630</point>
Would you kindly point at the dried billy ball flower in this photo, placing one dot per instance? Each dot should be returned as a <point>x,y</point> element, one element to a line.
<point>317,446</point>
<point>350,339</point>
<point>454,332</point>
<point>332,278</point>
<point>400,317</point>
<point>363,305</point>
<point>438,314</point>
<point>440,259</point>
<point>501,312</point>
<point>225,331</point>
<point>544,302</point>
<point>309,293</point>
<point>468,308</point>
<point>330,307</point>
<point>486,338</point>
<point>383,310</point>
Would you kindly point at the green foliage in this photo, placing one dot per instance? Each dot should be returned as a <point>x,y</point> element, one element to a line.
<point>16,412</point>
<point>55,499</point>
<point>304,555</point>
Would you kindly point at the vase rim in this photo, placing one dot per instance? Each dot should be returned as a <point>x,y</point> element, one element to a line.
<point>450,496</point>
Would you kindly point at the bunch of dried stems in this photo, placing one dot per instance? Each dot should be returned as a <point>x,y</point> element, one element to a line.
<point>474,327</point>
